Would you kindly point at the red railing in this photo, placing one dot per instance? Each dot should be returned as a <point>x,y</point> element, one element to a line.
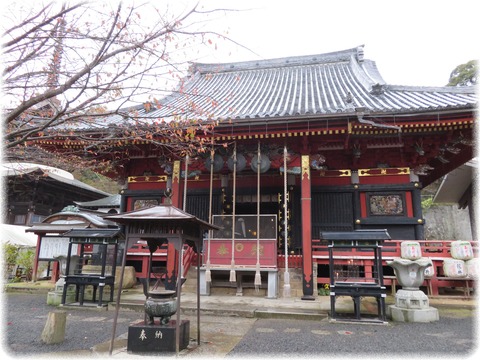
<point>294,261</point>
<point>188,257</point>
<point>436,250</point>
<point>392,248</point>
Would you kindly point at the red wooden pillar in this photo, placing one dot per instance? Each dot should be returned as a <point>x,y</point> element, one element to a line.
<point>306,203</point>
<point>172,255</point>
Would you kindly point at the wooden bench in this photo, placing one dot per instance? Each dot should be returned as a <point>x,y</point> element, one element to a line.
<point>466,288</point>
<point>393,282</point>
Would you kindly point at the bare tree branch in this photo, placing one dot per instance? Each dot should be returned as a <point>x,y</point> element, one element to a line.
<point>69,67</point>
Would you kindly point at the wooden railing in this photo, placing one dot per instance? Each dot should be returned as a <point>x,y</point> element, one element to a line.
<point>188,257</point>
<point>392,248</point>
<point>436,250</point>
<point>141,248</point>
<point>294,261</point>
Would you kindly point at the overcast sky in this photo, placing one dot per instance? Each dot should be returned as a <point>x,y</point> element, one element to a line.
<point>412,42</point>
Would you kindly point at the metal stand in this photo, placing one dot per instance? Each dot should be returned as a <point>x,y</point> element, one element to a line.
<point>103,238</point>
<point>348,278</point>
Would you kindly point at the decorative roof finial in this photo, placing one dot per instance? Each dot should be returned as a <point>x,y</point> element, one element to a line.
<point>349,101</point>
<point>377,89</point>
<point>349,98</point>
<point>360,53</point>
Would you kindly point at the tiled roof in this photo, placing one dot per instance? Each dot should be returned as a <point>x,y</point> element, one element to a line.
<point>160,213</point>
<point>20,169</point>
<point>308,86</point>
<point>109,201</point>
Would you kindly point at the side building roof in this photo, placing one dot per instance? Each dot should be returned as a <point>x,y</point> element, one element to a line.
<point>112,201</point>
<point>20,169</point>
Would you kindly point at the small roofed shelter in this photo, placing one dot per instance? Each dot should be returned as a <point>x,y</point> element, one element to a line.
<point>157,225</point>
<point>52,243</point>
<point>80,274</point>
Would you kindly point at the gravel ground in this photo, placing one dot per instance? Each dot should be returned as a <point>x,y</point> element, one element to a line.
<point>25,316</point>
<point>453,336</point>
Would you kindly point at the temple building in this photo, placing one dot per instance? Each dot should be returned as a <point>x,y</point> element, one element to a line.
<point>34,192</point>
<point>300,145</point>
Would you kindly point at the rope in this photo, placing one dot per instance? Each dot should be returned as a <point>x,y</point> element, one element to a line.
<point>286,283</point>
<point>208,274</point>
<point>233,276</point>
<point>258,278</point>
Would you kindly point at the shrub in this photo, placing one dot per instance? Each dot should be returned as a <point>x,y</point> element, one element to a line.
<point>10,253</point>
<point>26,260</point>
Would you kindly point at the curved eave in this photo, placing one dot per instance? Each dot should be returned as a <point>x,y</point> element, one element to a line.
<point>168,214</point>
<point>88,218</point>
<point>302,90</point>
<point>321,87</point>
<point>257,120</point>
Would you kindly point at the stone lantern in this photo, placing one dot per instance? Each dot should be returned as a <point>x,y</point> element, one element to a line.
<point>411,303</point>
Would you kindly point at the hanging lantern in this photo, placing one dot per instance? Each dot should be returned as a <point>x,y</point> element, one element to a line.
<point>264,163</point>
<point>241,162</point>
<point>217,163</point>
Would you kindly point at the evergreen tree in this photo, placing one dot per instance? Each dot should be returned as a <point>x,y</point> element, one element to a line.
<point>464,74</point>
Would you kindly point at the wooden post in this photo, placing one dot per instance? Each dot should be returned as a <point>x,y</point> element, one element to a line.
<point>417,213</point>
<point>176,189</point>
<point>306,203</point>
<point>172,266</point>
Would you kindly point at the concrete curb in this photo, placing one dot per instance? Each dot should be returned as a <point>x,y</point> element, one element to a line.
<point>29,289</point>
<point>287,314</point>
<point>134,301</point>
<point>259,313</point>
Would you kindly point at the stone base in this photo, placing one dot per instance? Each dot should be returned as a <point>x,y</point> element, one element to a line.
<point>396,313</point>
<point>412,306</point>
<point>411,299</point>
<point>55,298</point>
<point>157,338</point>
<point>272,284</point>
<point>129,275</point>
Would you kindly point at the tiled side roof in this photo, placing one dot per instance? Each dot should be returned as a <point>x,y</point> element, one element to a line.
<point>109,201</point>
<point>19,169</point>
<point>328,84</point>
